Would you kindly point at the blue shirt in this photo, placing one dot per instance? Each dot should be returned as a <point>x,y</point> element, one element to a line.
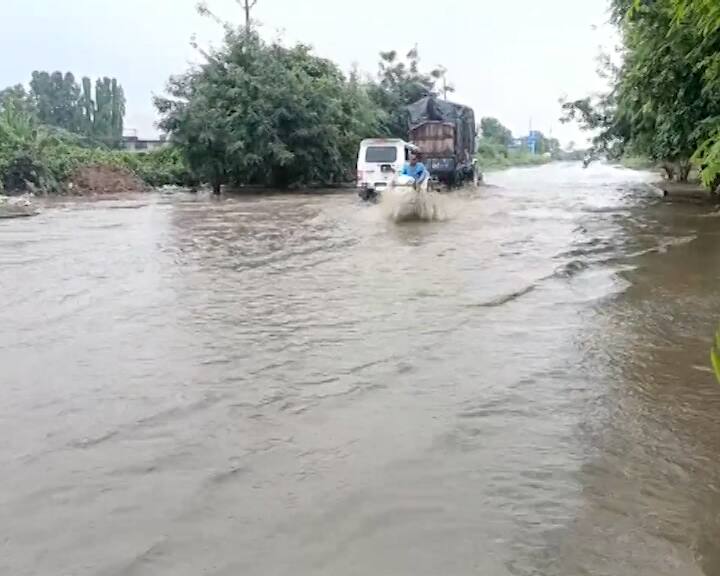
<point>418,171</point>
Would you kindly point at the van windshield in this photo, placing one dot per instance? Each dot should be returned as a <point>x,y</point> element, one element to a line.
<point>381,154</point>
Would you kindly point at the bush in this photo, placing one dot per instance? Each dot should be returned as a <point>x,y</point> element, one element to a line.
<point>495,156</point>
<point>34,156</point>
<point>258,113</point>
<point>162,167</point>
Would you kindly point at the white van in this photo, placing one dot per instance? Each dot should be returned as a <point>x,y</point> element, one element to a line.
<point>379,160</point>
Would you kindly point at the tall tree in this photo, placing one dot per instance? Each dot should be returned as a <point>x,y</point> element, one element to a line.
<point>60,101</point>
<point>440,74</point>
<point>703,16</point>
<point>102,127</point>
<point>659,104</point>
<point>491,129</point>
<point>117,112</point>
<point>255,113</point>
<point>17,98</point>
<point>399,83</point>
<point>41,91</point>
<point>56,96</point>
<point>109,111</point>
<point>87,104</point>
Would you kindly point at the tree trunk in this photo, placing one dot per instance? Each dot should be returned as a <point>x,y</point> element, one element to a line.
<point>715,187</point>
<point>669,171</point>
<point>685,167</point>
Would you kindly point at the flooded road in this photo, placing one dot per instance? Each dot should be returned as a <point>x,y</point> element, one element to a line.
<point>294,385</point>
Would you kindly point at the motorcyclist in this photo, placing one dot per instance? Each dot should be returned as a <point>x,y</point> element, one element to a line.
<point>415,169</point>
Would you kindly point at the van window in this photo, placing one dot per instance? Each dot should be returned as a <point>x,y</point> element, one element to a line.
<point>381,154</point>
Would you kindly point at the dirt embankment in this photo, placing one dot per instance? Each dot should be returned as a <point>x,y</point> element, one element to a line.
<point>690,191</point>
<point>99,180</point>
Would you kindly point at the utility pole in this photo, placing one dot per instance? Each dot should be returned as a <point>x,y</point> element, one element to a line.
<point>248,5</point>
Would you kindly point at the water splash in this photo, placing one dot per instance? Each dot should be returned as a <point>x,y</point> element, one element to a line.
<point>405,204</point>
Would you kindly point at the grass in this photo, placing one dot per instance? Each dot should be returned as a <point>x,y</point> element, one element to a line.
<point>492,158</point>
<point>638,163</point>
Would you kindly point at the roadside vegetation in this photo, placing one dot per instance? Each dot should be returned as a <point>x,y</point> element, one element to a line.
<point>253,113</point>
<point>663,102</point>
<point>55,128</point>
<point>639,163</point>
<point>42,158</point>
<point>493,157</point>
<point>498,149</point>
<point>259,113</point>
<point>263,113</point>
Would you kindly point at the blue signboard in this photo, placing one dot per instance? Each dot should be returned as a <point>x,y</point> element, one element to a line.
<point>532,141</point>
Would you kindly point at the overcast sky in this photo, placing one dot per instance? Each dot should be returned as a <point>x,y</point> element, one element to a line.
<point>512,59</point>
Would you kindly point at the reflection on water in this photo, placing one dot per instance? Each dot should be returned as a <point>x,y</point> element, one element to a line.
<point>296,385</point>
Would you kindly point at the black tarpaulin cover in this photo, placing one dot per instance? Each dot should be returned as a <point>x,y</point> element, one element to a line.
<point>431,109</point>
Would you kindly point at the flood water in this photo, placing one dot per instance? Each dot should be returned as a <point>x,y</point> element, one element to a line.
<point>294,385</point>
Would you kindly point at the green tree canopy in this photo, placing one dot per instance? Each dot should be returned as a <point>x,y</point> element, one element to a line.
<point>664,100</point>
<point>59,101</point>
<point>257,113</point>
<point>401,82</point>
<point>491,129</point>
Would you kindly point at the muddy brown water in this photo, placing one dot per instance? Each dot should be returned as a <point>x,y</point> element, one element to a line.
<point>294,385</point>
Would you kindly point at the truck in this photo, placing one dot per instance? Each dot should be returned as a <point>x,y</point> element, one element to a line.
<point>445,134</point>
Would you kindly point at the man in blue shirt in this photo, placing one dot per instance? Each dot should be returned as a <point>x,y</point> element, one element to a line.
<point>415,169</point>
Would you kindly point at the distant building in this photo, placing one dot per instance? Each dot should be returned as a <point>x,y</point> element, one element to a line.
<point>133,143</point>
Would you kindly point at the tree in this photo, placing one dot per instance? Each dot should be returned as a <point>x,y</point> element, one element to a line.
<point>117,117</point>
<point>440,74</point>
<point>662,102</point>
<point>17,98</point>
<point>552,146</point>
<point>257,113</point>
<point>703,16</point>
<point>400,83</point>
<point>102,124</point>
<point>59,101</point>
<point>662,86</point>
<point>31,154</point>
<point>491,129</point>
<point>87,105</point>
<point>56,97</point>
<point>17,127</point>
<point>107,125</point>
